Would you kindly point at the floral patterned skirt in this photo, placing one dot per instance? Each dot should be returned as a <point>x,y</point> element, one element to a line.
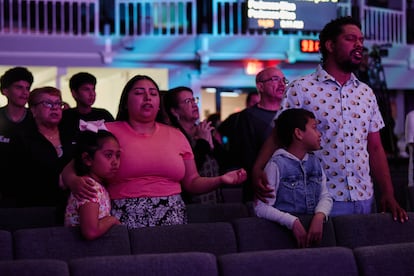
<point>150,211</point>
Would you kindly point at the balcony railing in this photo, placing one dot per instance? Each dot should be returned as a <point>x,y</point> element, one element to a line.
<point>167,18</point>
<point>384,26</point>
<point>50,17</point>
<point>170,18</point>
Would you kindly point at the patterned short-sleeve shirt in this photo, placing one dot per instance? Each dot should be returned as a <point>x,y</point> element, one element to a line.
<point>72,217</point>
<point>346,115</point>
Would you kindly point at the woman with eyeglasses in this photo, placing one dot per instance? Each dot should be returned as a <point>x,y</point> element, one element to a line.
<point>43,152</point>
<point>156,164</point>
<point>182,109</point>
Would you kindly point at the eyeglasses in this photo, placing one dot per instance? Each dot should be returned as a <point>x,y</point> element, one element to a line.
<point>50,105</point>
<point>276,79</point>
<point>191,100</point>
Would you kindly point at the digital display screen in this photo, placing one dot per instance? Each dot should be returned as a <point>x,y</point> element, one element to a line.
<point>309,15</point>
<point>309,45</point>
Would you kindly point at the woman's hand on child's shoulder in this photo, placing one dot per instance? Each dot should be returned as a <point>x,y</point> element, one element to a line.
<point>84,188</point>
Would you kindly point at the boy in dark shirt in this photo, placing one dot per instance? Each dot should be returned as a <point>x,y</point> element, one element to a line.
<point>82,86</point>
<point>15,118</point>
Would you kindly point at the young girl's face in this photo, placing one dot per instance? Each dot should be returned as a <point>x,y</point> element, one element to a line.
<point>105,162</point>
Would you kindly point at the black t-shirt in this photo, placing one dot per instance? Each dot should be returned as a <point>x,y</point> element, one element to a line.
<point>9,133</point>
<point>254,125</point>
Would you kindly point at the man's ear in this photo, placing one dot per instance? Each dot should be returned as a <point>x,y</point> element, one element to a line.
<point>259,87</point>
<point>74,94</point>
<point>329,45</point>
<point>298,134</point>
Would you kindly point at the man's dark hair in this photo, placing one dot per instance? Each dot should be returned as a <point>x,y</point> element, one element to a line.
<point>332,30</point>
<point>80,79</point>
<point>15,74</point>
<point>288,121</point>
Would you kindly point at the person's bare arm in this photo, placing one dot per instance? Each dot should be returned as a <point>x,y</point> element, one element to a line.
<point>381,173</point>
<point>91,226</point>
<point>259,178</point>
<point>194,183</point>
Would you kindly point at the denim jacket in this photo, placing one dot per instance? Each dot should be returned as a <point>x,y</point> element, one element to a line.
<point>299,187</point>
<point>299,184</point>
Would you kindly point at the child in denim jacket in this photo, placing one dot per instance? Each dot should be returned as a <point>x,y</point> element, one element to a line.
<point>296,176</point>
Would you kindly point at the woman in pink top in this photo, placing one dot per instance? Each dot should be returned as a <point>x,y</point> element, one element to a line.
<point>156,163</point>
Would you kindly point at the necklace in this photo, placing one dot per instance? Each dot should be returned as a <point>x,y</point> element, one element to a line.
<point>52,137</point>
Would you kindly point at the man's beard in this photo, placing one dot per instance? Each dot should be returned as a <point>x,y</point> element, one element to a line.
<point>349,66</point>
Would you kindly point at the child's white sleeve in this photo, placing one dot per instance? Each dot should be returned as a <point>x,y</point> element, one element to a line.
<point>266,210</point>
<point>409,128</point>
<point>325,199</point>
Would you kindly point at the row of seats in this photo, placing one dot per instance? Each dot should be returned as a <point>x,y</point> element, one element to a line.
<point>390,259</point>
<point>33,217</point>
<point>217,238</point>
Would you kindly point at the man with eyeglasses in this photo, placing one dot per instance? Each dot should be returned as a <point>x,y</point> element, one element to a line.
<point>255,123</point>
<point>15,85</point>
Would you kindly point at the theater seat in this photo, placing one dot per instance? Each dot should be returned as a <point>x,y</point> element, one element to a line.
<point>29,217</point>
<point>6,245</point>
<point>216,238</point>
<point>373,229</point>
<point>310,261</point>
<point>34,268</point>
<point>216,212</point>
<point>65,243</point>
<point>177,264</point>
<point>384,260</point>
<point>255,234</point>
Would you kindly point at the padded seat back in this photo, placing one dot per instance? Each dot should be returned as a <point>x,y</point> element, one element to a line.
<point>220,212</point>
<point>216,238</point>
<point>175,264</point>
<point>34,268</point>
<point>310,261</point>
<point>6,245</point>
<point>65,243</point>
<point>384,260</point>
<point>372,229</point>
<point>255,234</point>
<point>30,217</point>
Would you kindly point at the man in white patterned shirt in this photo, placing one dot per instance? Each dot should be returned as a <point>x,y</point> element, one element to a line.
<point>409,139</point>
<point>349,120</point>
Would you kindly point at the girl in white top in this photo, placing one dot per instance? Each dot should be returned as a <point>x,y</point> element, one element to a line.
<point>97,156</point>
